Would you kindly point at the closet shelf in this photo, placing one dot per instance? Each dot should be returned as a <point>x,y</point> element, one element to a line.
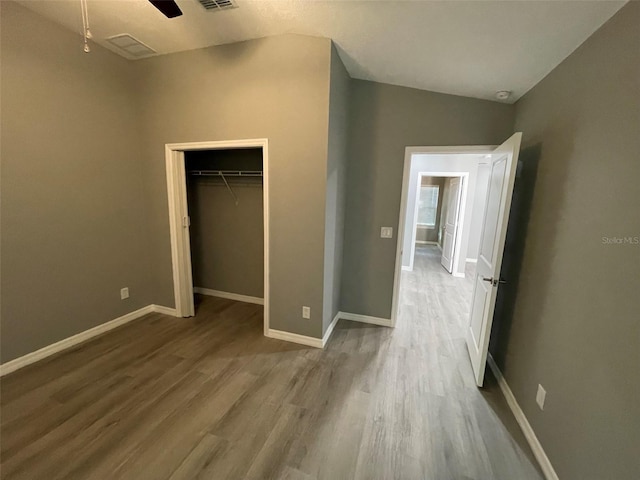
<point>226,173</point>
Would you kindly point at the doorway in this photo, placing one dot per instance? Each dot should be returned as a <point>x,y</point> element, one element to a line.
<point>438,216</point>
<point>224,199</point>
<point>179,216</point>
<point>474,313</point>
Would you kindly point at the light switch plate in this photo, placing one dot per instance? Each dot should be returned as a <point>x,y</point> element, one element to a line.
<point>124,293</point>
<point>386,232</point>
<point>306,312</point>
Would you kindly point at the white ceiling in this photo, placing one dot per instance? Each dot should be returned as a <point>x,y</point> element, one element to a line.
<point>471,48</point>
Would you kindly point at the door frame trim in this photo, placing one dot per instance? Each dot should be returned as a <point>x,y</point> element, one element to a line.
<point>177,198</point>
<point>406,172</point>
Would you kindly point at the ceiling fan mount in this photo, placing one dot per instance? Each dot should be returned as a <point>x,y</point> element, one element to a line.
<point>169,8</point>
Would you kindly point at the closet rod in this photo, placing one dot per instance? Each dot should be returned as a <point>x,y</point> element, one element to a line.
<point>227,173</point>
<point>234,184</point>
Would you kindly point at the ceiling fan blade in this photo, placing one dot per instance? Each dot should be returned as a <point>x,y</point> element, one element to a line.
<point>169,8</point>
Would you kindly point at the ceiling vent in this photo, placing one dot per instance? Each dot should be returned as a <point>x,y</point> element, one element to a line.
<point>218,4</point>
<point>132,47</point>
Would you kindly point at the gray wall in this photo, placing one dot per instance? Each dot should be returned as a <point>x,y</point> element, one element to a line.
<point>575,326</point>
<point>430,234</point>
<point>384,120</point>
<point>227,240</point>
<point>74,209</point>
<point>275,88</point>
<point>340,83</point>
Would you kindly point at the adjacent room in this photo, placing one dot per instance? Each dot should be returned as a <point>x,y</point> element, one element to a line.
<point>288,239</point>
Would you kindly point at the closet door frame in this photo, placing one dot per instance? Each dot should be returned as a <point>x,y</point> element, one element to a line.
<point>179,218</point>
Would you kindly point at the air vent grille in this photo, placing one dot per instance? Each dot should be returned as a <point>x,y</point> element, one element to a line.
<point>218,4</point>
<point>131,46</point>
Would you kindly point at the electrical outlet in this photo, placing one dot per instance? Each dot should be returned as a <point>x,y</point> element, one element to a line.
<point>306,312</point>
<point>386,232</point>
<point>124,293</point>
<point>541,394</point>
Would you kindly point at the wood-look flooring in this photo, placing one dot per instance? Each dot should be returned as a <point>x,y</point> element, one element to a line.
<point>212,398</point>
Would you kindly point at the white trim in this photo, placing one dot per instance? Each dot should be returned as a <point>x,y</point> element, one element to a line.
<point>332,325</point>
<point>462,149</point>
<point>356,317</point>
<point>400,237</point>
<point>472,260</point>
<point>303,339</point>
<point>458,274</point>
<point>164,310</point>
<point>408,153</point>
<point>426,242</point>
<point>218,145</point>
<point>525,426</point>
<point>176,194</point>
<point>295,338</point>
<point>78,338</point>
<point>407,269</point>
<point>414,226</point>
<point>180,248</point>
<point>231,296</point>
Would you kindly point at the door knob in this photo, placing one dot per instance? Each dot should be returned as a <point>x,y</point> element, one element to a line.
<point>493,281</point>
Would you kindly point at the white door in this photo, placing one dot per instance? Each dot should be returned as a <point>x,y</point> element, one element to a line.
<point>504,160</point>
<point>181,248</point>
<point>451,224</point>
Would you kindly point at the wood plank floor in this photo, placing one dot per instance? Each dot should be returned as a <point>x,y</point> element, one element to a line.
<point>212,398</point>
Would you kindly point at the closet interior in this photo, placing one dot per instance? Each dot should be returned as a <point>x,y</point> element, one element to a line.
<point>225,203</point>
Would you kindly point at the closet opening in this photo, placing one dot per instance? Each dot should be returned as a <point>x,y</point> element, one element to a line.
<point>224,200</point>
<point>218,206</point>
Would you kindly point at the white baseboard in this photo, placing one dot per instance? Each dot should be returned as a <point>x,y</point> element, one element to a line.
<point>525,426</point>
<point>164,310</point>
<point>295,338</point>
<point>332,325</point>
<point>322,342</point>
<point>229,295</point>
<point>303,339</point>
<point>458,274</point>
<point>439,246</point>
<point>356,317</point>
<point>81,337</point>
<point>472,260</point>
<point>407,269</point>
<point>426,242</point>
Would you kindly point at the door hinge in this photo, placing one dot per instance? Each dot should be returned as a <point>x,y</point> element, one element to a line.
<point>186,222</point>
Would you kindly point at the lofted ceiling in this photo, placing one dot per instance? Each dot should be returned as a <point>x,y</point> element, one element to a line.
<point>470,48</point>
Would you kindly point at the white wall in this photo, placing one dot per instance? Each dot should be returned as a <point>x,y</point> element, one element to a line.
<point>440,163</point>
<point>477,216</point>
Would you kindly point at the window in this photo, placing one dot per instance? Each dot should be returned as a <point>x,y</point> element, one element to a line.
<point>428,205</point>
